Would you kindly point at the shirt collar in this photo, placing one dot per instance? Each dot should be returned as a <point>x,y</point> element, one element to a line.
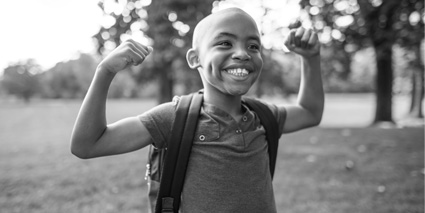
<point>213,110</point>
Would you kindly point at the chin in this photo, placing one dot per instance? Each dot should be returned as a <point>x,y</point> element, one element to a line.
<point>237,91</point>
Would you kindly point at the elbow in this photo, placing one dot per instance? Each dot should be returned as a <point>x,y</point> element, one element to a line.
<point>318,119</point>
<point>80,154</point>
<point>317,114</point>
<point>79,151</point>
<point>313,123</point>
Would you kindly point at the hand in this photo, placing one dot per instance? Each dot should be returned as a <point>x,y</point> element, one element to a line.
<point>304,42</point>
<point>128,53</point>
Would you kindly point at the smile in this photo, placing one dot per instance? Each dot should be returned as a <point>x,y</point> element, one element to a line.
<point>240,72</point>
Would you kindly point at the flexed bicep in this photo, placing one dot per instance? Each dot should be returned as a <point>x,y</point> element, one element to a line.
<point>123,136</point>
<point>298,118</point>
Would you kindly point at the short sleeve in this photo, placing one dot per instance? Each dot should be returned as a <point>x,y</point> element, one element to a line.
<point>159,121</point>
<point>280,114</point>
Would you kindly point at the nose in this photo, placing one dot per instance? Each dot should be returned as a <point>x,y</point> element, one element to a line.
<point>241,54</point>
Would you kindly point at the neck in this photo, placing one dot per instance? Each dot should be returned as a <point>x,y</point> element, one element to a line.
<point>229,103</point>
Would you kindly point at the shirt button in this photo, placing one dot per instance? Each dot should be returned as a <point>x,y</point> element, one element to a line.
<point>244,118</point>
<point>202,137</point>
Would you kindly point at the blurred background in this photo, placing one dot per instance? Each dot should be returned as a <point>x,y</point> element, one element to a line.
<point>366,156</point>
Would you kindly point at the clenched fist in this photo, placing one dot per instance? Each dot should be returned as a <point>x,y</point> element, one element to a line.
<point>126,54</point>
<point>304,42</point>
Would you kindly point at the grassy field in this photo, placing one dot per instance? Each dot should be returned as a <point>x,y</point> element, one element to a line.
<point>325,169</point>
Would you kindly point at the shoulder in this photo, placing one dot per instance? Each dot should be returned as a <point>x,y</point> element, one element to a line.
<point>159,121</point>
<point>162,110</point>
<point>279,112</point>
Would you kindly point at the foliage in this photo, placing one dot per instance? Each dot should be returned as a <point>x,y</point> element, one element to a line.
<point>69,79</point>
<point>281,74</point>
<point>353,25</point>
<point>168,25</point>
<point>20,79</point>
<point>350,25</point>
<point>348,62</point>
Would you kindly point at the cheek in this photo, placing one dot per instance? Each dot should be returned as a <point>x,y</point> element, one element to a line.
<point>259,63</point>
<point>214,64</point>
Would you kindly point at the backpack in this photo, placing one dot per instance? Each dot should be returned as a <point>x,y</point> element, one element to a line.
<point>164,183</point>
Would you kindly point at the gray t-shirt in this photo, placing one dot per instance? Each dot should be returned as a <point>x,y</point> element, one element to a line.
<point>228,168</point>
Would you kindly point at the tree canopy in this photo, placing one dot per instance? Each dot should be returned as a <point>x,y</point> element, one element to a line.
<point>351,25</point>
<point>20,79</point>
<point>168,26</point>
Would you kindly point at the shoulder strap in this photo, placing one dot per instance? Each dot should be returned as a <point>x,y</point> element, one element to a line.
<point>178,152</point>
<point>269,122</point>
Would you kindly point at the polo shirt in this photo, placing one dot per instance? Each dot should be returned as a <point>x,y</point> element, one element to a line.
<point>228,169</point>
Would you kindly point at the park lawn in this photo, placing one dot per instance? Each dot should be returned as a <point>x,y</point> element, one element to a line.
<point>366,170</point>
<point>347,170</point>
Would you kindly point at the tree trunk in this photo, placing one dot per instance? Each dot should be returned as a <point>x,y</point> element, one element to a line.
<point>417,93</point>
<point>384,79</point>
<point>379,28</point>
<point>346,58</point>
<point>166,82</point>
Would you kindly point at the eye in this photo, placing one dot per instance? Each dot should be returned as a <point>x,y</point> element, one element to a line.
<point>255,47</point>
<point>224,44</point>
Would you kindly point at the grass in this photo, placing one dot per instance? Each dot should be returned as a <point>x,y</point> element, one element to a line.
<point>322,169</point>
<point>351,170</point>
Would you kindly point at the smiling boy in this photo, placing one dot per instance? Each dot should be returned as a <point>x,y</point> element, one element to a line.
<point>228,169</point>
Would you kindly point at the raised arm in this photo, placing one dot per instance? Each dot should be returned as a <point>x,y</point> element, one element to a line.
<point>309,108</point>
<point>91,136</point>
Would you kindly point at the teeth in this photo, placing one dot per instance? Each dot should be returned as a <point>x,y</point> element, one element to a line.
<point>238,72</point>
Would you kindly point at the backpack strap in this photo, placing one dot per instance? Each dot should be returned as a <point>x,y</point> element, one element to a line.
<point>270,124</point>
<point>178,152</point>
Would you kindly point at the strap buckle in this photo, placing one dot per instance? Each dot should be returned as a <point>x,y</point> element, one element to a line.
<point>167,205</point>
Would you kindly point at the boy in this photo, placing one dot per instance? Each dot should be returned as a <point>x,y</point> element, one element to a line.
<point>228,169</point>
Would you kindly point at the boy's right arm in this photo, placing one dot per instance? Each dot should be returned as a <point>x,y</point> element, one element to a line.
<point>91,136</point>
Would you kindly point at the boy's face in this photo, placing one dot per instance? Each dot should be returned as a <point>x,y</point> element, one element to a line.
<point>229,52</point>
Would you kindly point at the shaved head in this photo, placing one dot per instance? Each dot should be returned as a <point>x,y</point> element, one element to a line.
<point>203,27</point>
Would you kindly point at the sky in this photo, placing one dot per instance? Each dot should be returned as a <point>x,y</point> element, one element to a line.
<point>48,31</point>
<point>51,31</point>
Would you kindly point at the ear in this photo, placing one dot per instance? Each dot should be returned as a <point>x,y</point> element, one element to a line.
<point>192,59</point>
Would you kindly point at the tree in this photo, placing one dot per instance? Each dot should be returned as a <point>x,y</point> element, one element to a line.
<point>69,79</point>
<point>412,39</point>
<point>355,24</point>
<point>168,24</point>
<point>417,76</point>
<point>20,79</point>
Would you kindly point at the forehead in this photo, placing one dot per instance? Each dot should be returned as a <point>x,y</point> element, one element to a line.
<point>226,23</point>
<point>236,23</point>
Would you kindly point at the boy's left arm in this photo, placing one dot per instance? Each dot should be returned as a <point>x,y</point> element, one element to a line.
<point>309,108</point>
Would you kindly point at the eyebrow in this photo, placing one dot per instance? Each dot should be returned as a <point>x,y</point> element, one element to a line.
<point>226,34</point>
